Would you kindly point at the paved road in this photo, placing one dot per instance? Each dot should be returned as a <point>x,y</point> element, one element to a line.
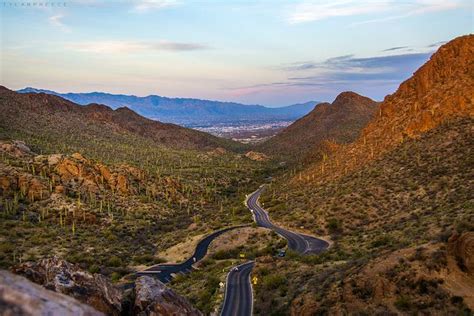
<point>238,300</point>
<point>298,242</point>
<point>165,272</point>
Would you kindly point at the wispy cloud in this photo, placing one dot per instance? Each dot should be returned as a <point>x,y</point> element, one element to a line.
<point>373,76</point>
<point>307,11</point>
<point>391,49</point>
<point>352,68</point>
<point>117,47</point>
<point>437,44</point>
<point>57,21</point>
<point>148,5</point>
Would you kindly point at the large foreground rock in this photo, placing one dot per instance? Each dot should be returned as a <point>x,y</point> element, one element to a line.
<point>18,296</point>
<point>152,298</point>
<point>66,278</point>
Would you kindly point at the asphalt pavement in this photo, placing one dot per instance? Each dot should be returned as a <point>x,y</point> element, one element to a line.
<point>165,272</point>
<point>238,300</point>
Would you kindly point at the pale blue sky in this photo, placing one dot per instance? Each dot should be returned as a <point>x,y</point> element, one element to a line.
<point>265,52</point>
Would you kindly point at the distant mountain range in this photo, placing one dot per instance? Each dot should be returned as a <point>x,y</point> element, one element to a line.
<point>48,116</point>
<point>186,111</point>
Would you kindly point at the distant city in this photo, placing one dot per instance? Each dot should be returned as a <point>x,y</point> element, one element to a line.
<point>244,131</point>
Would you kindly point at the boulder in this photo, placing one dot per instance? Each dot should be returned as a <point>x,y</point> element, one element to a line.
<point>66,278</point>
<point>68,169</point>
<point>32,187</point>
<point>152,297</point>
<point>79,157</point>
<point>16,148</point>
<point>256,156</point>
<point>19,296</point>
<point>54,159</point>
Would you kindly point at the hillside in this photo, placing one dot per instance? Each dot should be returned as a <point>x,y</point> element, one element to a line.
<point>340,122</point>
<point>390,222</point>
<point>185,111</point>
<point>397,203</point>
<point>43,115</point>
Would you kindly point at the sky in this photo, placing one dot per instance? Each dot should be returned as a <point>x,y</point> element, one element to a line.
<point>272,53</point>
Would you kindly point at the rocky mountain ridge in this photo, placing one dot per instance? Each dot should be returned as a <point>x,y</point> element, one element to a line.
<point>339,122</point>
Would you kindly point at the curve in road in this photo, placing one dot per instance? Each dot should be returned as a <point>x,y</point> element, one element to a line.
<point>165,272</point>
<point>301,243</point>
<point>238,300</point>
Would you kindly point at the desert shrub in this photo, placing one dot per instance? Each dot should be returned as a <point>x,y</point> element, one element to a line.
<point>381,241</point>
<point>114,261</point>
<point>94,268</point>
<point>274,281</point>
<point>226,254</point>
<point>403,303</point>
<point>334,226</point>
<point>143,259</point>
<point>115,276</point>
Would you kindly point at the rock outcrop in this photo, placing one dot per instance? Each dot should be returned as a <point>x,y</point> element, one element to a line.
<point>152,297</point>
<point>19,296</point>
<point>66,173</point>
<point>256,156</point>
<point>63,277</point>
<point>462,248</point>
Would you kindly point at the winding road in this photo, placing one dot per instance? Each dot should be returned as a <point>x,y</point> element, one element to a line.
<point>238,300</point>
<point>165,272</point>
<point>301,243</point>
<point>238,295</point>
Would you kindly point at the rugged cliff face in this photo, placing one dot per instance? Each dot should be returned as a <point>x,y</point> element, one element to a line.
<point>18,296</point>
<point>63,277</point>
<point>438,92</point>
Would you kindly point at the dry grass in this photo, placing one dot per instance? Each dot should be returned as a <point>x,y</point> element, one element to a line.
<point>180,251</point>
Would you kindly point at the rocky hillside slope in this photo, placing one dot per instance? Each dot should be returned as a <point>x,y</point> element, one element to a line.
<point>390,221</point>
<point>339,122</point>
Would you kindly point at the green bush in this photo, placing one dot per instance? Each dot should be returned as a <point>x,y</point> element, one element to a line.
<point>403,303</point>
<point>94,268</point>
<point>114,261</point>
<point>334,226</point>
<point>274,281</point>
<point>115,276</point>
